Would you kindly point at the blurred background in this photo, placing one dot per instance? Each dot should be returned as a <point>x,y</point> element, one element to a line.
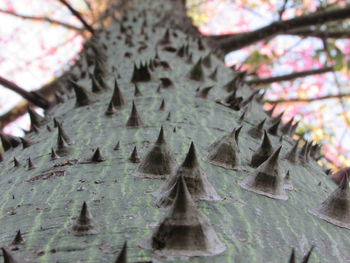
<point>40,39</point>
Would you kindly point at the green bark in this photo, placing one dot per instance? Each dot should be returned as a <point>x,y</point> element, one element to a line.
<point>45,201</point>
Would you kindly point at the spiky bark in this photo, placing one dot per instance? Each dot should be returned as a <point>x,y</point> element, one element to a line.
<point>78,199</point>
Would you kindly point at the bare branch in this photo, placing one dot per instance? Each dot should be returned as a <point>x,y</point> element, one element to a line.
<point>32,97</point>
<point>10,116</point>
<point>280,13</point>
<point>291,76</point>
<point>78,15</point>
<point>47,91</point>
<point>231,42</point>
<point>320,34</point>
<point>306,100</point>
<point>41,19</point>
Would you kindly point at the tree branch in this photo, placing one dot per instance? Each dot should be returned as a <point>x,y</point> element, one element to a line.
<point>231,42</point>
<point>283,8</point>
<point>296,100</point>
<point>42,18</point>
<point>32,96</point>
<point>291,76</point>
<point>78,15</point>
<point>47,91</point>
<point>320,34</point>
<point>10,116</point>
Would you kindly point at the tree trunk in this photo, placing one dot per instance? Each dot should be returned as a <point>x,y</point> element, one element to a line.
<point>157,60</point>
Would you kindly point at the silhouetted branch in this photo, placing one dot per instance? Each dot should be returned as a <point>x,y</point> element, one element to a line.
<point>295,100</point>
<point>78,15</point>
<point>291,76</point>
<point>47,91</point>
<point>10,116</point>
<point>320,34</point>
<point>280,12</point>
<point>32,96</point>
<point>41,19</point>
<point>231,42</point>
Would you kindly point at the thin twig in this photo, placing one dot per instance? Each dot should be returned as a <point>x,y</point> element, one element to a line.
<point>78,15</point>
<point>299,100</point>
<point>41,19</point>
<point>291,76</point>
<point>320,34</point>
<point>280,13</point>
